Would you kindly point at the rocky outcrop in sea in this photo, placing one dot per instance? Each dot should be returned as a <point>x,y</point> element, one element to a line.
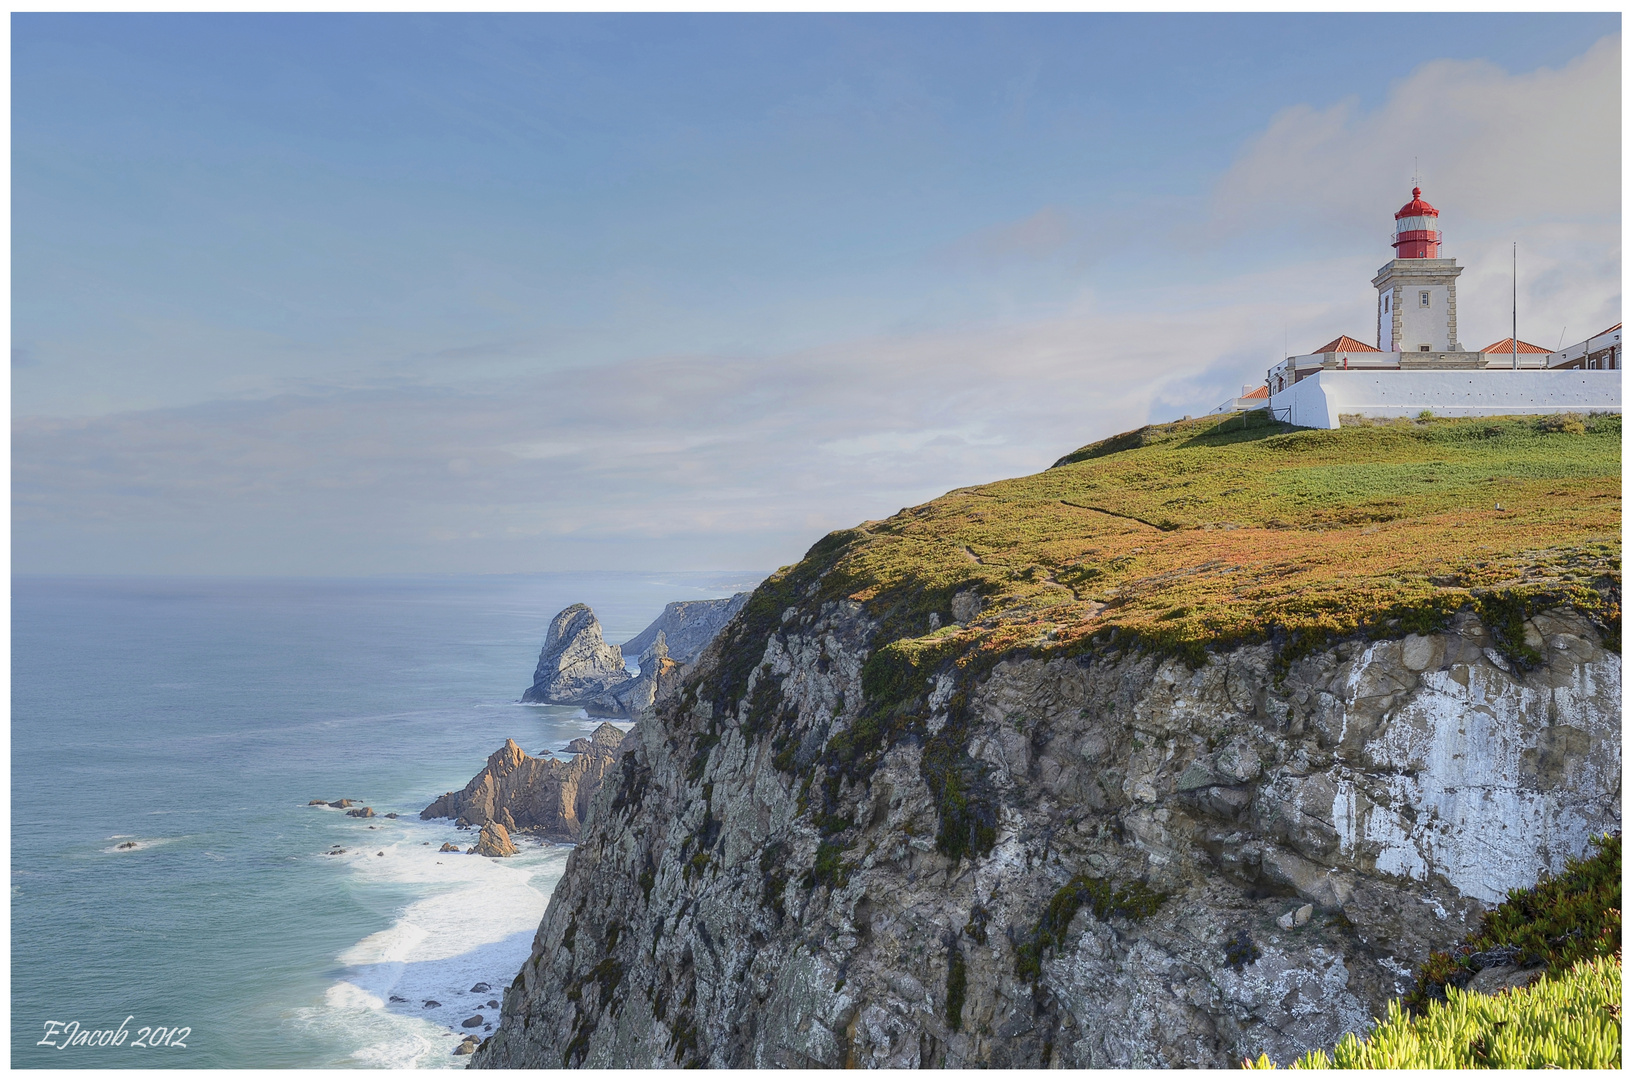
<point>1102,860</point>
<point>636,697</point>
<point>542,797</point>
<point>495,842</point>
<point>577,667</point>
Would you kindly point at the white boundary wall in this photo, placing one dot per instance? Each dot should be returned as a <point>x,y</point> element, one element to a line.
<point>1321,398</point>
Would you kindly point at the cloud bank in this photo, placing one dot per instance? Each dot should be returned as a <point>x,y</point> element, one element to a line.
<point>736,461</point>
<point>663,463</point>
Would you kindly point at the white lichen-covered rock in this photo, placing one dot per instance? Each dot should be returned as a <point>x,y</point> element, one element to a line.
<point>1182,867</point>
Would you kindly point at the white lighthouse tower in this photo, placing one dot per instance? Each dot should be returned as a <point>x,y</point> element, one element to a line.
<point>1415,292</point>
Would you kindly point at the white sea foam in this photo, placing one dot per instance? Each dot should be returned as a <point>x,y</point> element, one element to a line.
<point>129,845</point>
<point>471,921</point>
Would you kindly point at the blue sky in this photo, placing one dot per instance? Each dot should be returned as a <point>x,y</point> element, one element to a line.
<point>342,294</point>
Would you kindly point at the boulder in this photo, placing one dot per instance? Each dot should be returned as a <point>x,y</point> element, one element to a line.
<point>474,1021</point>
<point>366,811</point>
<point>468,1046</point>
<point>481,988</point>
<point>495,841</point>
<point>341,804</point>
<point>576,664</point>
<point>433,1004</point>
<point>1495,980</point>
<point>393,816</point>
<point>450,847</point>
<point>318,802</point>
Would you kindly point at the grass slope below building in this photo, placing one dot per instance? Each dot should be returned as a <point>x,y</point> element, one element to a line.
<point>1210,533</point>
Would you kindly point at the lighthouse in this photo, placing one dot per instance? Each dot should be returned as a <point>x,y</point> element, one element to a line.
<point>1415,292</point>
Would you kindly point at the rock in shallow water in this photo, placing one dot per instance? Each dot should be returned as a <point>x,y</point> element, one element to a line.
<point>495,842</point>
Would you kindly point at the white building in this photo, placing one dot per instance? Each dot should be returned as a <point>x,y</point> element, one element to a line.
<point>1418,365</point>
<point>1600,352</point>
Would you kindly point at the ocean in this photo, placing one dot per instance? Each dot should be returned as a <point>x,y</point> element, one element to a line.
<point>168,877</point>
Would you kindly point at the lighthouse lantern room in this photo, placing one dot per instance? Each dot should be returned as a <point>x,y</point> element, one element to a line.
<point>1415,292</point>
<point>1415,229</point>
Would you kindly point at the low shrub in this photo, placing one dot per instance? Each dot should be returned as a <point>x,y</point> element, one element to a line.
<point>1135,901</point>
<point>1559,922</point>
<point>1572,1022</point>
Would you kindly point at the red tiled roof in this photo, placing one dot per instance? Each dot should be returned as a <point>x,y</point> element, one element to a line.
<point>1260,392</point>
<point>1610,330</point>
<point>1346,344</point>
<point>1505,346</point>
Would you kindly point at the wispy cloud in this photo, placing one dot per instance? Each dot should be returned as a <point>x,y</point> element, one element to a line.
<point>1538,146</point>
<point>694,460</point>
<point>742,458</point>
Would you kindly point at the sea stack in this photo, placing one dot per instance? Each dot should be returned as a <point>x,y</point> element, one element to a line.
<point>539,796</point>
<point>576,664</point>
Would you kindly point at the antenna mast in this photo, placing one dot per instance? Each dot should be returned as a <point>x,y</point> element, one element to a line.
<point>1514,305</point>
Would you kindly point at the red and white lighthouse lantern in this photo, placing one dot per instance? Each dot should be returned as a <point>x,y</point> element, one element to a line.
<point>1415,229</point>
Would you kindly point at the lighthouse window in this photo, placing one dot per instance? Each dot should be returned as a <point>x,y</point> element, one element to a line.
<point>1387,303</point>
<point>1426,299</point>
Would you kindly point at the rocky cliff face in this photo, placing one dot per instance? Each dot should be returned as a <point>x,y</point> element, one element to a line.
<point>540,796</point>
<point>1093,861</point>
<point>687,627</point>
<point>576,665</point>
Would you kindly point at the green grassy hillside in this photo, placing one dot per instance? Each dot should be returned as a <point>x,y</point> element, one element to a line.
<point>1219,531</point>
